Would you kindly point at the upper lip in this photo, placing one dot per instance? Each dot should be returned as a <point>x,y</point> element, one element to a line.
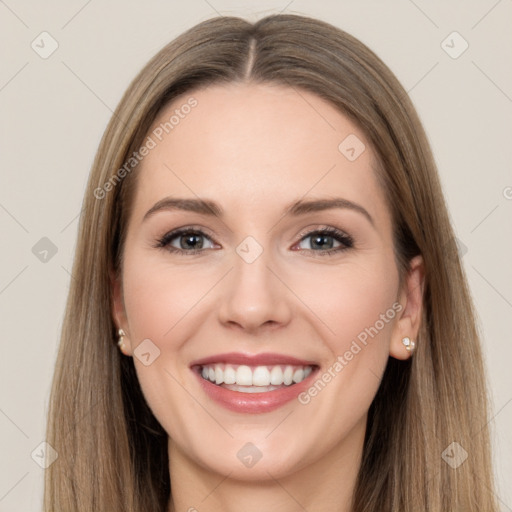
<point>263,359</point>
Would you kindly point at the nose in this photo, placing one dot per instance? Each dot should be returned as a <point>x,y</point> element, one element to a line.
<point>253,298</point>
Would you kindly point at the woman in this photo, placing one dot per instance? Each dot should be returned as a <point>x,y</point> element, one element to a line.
<point>268,310</point>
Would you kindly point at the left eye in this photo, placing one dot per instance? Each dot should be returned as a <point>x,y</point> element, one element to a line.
<point>320,241</point>
<point>326,239</point>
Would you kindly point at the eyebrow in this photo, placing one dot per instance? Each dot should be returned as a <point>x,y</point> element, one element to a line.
<point>300,207</point>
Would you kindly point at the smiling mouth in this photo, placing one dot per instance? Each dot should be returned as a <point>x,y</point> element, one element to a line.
<point>254,379</point>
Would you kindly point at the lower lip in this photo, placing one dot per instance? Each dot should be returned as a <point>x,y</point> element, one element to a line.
<point>253,403</point>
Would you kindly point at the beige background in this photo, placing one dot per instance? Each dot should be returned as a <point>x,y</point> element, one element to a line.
<point>54,111</point>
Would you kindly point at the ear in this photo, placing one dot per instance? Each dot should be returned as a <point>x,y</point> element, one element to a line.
<point>409,318</point>
<point>119,312</point>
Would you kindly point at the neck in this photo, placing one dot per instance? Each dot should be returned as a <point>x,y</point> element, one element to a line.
<point>326,485</point>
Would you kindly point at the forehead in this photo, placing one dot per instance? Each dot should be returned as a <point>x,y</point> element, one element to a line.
<point>256,145</point>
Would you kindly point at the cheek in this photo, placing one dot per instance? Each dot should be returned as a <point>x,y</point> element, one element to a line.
<point>358,306</point>
<point>352,301</point>
<point>159,304</point>
<point>158,297</point>
<point>165,305</point>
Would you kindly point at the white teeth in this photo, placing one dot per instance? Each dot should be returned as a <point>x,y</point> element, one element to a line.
<point>288,375</point>
<point>229,375</point>
<point>244,376</point>
<point>298,375</point>
<point>276,376</point>
<point>251,389</point>
<point>259,376</point>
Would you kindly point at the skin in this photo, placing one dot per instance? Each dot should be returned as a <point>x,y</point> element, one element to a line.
<point>254,149</point>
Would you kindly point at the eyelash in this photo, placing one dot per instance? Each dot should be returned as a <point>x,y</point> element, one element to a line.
<point>337,234</point>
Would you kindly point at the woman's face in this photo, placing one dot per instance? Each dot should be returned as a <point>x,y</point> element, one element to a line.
<point>284,277</point>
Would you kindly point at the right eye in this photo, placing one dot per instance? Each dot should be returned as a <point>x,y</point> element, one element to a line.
<point>184,241</point>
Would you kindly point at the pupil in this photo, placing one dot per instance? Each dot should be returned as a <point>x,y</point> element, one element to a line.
<point>317,241</point>
<point>190,239</point>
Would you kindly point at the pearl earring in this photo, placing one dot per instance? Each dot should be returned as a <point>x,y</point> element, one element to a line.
<point>408,344</point>
<point>120,342</point>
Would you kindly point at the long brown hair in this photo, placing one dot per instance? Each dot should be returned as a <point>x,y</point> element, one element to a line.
<point>112,450</point>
